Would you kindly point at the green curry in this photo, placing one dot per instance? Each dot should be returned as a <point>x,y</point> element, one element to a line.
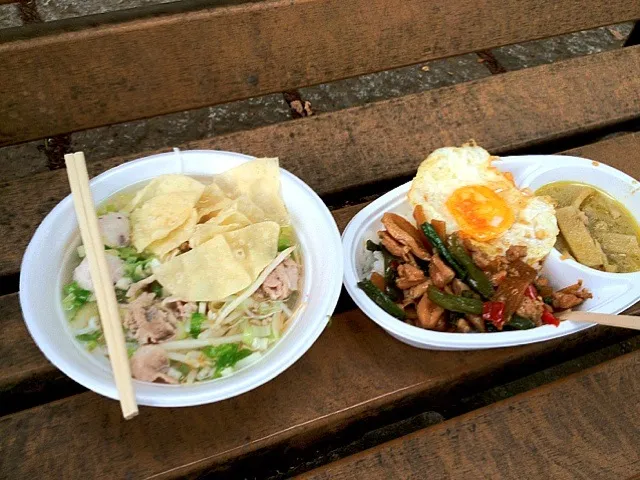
<point>595,229</point>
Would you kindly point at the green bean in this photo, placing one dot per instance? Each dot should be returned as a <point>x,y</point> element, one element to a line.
<point>519,323</point>
<point>441,248</point>
<point>476,278</point>
<point>454,303</point>
<point>381,299</point>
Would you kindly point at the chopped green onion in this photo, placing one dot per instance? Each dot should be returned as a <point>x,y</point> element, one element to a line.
<point>131,349</point>
<point>226,355</point>
<point>196,324</point>
<point>75,297</point>
<point>88,337</point>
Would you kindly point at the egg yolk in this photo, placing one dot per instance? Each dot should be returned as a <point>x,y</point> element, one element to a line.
<point>480,212</point>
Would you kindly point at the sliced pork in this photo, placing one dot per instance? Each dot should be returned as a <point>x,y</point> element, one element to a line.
<point>148,322</point>
<point>150,364</point>
<point>281,282</point>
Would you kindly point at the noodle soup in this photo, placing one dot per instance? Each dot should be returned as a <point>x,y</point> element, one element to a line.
<point>206,271</point>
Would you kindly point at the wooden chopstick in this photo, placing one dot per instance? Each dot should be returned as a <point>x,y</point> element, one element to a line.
<point>623,321</point>
<point>101,279</point>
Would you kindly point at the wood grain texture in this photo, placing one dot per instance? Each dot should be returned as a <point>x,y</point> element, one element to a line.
<point>584,426</point>
<point>26,376</point>
<point>147,67</point>
<point>389,139</point>
<point>19,357</point>
<point>343,378</point>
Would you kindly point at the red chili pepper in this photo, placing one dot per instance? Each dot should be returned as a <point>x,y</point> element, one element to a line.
<point>550,318</point>
<point>494,312</point>
<point>531,292</point>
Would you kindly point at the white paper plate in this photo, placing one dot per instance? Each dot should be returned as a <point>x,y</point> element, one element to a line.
<point>44,272</point>
<point>612,292</point>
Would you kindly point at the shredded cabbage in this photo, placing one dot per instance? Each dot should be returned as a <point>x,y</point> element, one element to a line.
<point>199,343</point>
<point>245,362</point>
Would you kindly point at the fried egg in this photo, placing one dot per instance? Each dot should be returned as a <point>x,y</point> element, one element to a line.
<point>461,186</point>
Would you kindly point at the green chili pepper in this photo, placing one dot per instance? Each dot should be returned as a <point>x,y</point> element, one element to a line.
<point>381,299</point>
<point>441,248</point>
<point>454,303</point>
<point>519,323</point>
<point>476,278</point>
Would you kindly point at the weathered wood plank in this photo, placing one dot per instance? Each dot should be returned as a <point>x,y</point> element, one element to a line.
<point>380,141</point>
<point>147,67</point>
<point>584,426</point>
<point>343,378</point>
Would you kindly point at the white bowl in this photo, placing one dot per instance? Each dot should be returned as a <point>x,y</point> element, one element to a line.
<point>45,270</point>
<point>612,292</point>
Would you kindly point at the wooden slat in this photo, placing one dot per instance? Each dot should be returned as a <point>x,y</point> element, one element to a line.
<point>353,371</point>
<point>20,359</point>
<point>142,68</point>
<point>388,139</point>
<point>584,426</point>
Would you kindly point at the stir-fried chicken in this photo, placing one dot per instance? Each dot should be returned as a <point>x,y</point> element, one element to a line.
<point>458,286</point>
<point>531,309</point>
<point>425,264</point>
<point>429,314</point>
<point>405,234</point>
<point>419,290</point>
<point>440,273</point>
<point>409,276</point>
<point>395,248</point>
<point>571,296</point>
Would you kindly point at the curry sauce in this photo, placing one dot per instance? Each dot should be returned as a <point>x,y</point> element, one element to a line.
<point>595,229</point>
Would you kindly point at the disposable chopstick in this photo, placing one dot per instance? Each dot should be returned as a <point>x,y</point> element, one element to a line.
<point>624,321</point>
<point>101,279</point>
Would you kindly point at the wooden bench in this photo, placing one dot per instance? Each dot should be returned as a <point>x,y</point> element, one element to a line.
<point>584,426</point>
<point>70,77</point>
